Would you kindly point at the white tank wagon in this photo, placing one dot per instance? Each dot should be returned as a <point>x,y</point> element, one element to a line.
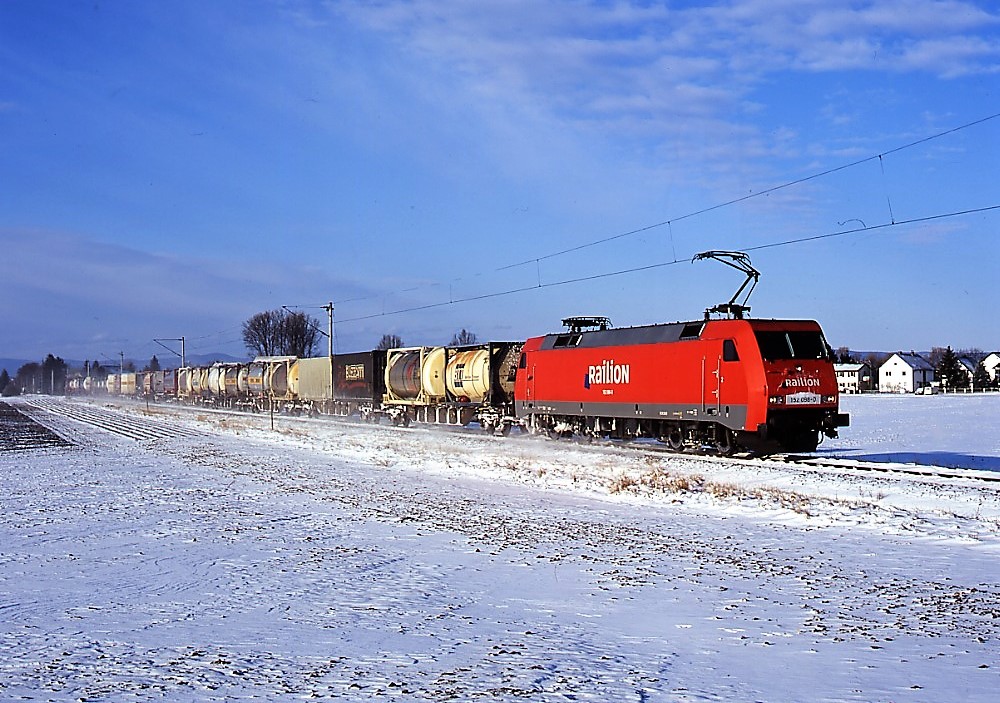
<point>452,385</point>
<point>214,386</point>
<point>414,383</point>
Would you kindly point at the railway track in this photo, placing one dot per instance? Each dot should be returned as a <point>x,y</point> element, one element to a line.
<point>52,411</point>
<point>19,432</point>
<point>144,428</point>
<point>833,464</point>
<point>914,470</point>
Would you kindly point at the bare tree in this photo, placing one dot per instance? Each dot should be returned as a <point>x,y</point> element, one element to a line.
<point>936,355</point>
<point>463,338</point>
<point>843,356</point>
<point>299,334</point>
<point>261,333</point>
<point>276,332</point>
<point>390,341</point>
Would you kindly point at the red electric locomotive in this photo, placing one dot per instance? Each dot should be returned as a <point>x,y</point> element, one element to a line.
<point>759,385</point>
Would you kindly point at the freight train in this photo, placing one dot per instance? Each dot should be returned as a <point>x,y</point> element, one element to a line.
<point>757,385</point>
<point>722,385</point>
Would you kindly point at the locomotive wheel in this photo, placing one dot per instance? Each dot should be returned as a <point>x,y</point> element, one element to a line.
<point>724,444</point>
<point>675,439</point>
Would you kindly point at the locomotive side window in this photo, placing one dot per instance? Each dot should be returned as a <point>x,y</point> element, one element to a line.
<point>566,340</point>
<point>692,331</point>
<point>729,352</point>
<point>523,363</point>
<point>781,345</point>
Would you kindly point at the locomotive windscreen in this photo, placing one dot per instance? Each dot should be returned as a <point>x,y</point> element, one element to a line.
<point>785,344</point>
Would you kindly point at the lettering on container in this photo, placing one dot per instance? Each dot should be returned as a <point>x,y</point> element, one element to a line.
<point>354,372</point>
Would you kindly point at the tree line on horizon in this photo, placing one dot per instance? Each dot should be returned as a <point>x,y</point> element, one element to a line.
<point>946,363</point>
<point>271,333</point>
<point>281,332</point>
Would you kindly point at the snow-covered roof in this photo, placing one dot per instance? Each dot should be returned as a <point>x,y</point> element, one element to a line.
<point>914,361</point>
<point>849,367</point>
<point>968,363</point>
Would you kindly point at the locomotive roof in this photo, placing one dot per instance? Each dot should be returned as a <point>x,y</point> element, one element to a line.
<point>646,334</point>
<point>623,336</point>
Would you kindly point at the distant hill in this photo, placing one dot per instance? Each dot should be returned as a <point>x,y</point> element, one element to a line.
<point>12,365</point>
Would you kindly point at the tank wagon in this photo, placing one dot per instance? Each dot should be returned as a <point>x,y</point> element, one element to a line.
<point>452,385</point>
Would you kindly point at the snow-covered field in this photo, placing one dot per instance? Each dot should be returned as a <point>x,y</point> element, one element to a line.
<point>211,558</point>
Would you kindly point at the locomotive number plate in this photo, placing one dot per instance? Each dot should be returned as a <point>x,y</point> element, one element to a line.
<point>802,399</point>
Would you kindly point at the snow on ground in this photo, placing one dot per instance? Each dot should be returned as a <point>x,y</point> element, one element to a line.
<point>228,561</point>
<point>957,430</point>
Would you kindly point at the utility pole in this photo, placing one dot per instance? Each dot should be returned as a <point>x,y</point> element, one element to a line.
<point>174,339</point>
<point>329,312</point>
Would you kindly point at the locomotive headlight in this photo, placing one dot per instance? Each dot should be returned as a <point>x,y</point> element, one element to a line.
<point>829,399</point>
<point>776,400</point>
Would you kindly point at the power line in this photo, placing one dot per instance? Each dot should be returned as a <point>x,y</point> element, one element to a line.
<point>734,201</point>
<point>673,262</point>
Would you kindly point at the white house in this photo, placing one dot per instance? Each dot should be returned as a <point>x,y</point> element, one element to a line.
<point>853,378</point>
<point>969,366</point>
<point>904,373</point>
<point>992,364</point>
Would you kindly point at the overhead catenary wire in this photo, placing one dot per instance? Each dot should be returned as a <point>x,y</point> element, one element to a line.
<point>662,264</point>
<point>539,284</point>
<point>711,208</point>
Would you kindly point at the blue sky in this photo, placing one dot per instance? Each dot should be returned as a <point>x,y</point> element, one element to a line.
<point>169,169</point>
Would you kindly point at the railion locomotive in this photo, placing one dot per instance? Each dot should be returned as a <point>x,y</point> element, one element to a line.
<point>759,385</point>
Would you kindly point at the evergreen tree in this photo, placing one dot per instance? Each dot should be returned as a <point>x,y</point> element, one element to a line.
<point>29,377</point>
<point>950,371</point>
<point>153,365</point>
<point>4,379</point>
<point>53,375</point>
<point>981,379</point>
